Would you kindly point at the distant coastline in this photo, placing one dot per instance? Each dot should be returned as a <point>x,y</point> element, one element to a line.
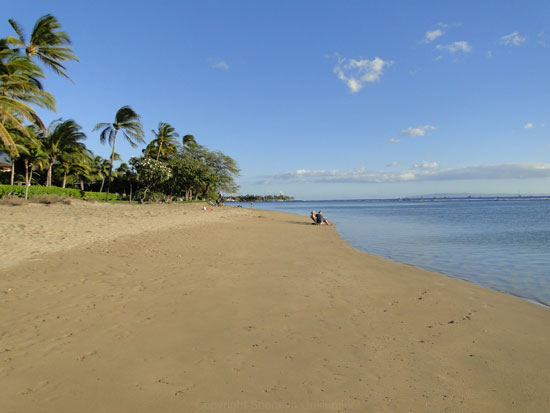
<point>428,198</point>
<point>476,198</point>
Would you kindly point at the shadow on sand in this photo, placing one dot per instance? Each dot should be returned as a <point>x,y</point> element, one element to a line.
<point>300,222</point>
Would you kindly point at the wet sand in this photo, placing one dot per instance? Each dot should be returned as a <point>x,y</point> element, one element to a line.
<point>170,308</point>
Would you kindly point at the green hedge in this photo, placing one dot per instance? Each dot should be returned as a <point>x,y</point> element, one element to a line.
<point>19,190</point>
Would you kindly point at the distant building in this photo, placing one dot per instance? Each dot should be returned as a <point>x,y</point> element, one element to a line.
<point>5,164</point>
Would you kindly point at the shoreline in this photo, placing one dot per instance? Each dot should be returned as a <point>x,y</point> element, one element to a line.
<point>239,309</point>
<point>516,271</point>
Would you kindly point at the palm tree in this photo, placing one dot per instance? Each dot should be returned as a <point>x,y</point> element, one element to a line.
<point>21,142</point>
<point>35,159</point>
<point>47,43</point>
<point>189,142</point>
<point>88,170</point>
<point>126,179</point>
<point>103,171</point>
<point>74,163</point>
<point>29,149</point>
<point>19,85</point>
<point>128,122</point>
<point>101,168</point>
<point>165,137</point>
<point>61,139</point>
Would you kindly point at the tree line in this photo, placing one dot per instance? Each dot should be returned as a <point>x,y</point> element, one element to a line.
<point>262,198</point>
<point>56,154</point>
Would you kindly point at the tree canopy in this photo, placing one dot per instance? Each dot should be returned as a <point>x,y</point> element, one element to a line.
<point>57,155</point>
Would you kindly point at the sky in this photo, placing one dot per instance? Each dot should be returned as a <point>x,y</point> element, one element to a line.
<point>321,99</point>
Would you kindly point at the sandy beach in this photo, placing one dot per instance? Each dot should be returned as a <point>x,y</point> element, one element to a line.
<point>170,308</point>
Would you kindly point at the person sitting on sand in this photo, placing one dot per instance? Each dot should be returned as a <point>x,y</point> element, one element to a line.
<point>320,219</point>
<point>313,217</point>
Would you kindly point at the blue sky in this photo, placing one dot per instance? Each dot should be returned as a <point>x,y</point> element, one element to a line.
<point>322,99</point>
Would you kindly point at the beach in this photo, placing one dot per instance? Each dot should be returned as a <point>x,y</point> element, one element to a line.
<point>169,307</point>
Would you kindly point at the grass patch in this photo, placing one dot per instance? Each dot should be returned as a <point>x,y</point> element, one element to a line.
<point>13,191</point>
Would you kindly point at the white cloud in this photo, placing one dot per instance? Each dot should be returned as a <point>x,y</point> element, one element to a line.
<point>425,165</point>
<point>355,73</point>
<point>220,65</point>
<point>395,163</point>
<point>512,39</point>
<point>425,171</point>
<point>394,140</point>
<point>417,131</point>
<point>528,125</point>
<point>460,46</point>
<point>489,54</point>
<point>432,35</point>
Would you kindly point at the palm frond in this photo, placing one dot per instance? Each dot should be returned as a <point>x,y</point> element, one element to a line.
<point>53,64</point>
<point>7,140</point>
<point>126,114</point>
<point>101,125</point>
<point>8,105</point>
<point>20,32</point>
<point>129,139</point>
<point>49,44</point>
<point>106,135</point>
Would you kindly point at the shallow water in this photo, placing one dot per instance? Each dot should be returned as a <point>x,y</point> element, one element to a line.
<point>504,244</point>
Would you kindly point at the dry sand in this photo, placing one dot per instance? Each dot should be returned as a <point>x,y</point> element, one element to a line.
<point>168,308</point>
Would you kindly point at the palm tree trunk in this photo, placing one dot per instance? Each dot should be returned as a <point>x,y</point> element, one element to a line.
<point>160,147</point>
<point>28,181</point>
<point>81,184</point>
<point>102,183</point>
<point>64,179</point>
<point>49,176</point>
<point>111,167</point>
<point>26,172</point>
<point>12,178</point>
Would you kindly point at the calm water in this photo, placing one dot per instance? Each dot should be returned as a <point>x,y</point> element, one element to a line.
<point>504,245</point>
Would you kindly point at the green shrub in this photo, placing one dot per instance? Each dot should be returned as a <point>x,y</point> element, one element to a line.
<point>98,196</point>
<point>36,190</point>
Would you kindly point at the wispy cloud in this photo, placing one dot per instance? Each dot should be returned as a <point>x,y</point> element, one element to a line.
<point>355,73</point>
<point>528,125</point>
<point>512,39</point>
<point>461,46</point>
<point>394,140</point>
<point>222,64</point>
<point>423,171</point>
<point>430,36</point>
<point>417,131</point>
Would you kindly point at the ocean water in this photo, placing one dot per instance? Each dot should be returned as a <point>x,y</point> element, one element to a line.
<point>500,244</point>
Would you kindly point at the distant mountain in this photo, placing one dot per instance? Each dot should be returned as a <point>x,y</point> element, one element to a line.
<point>469,195</point>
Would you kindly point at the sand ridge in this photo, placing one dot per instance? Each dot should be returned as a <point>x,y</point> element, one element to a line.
<point>249,310</point>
